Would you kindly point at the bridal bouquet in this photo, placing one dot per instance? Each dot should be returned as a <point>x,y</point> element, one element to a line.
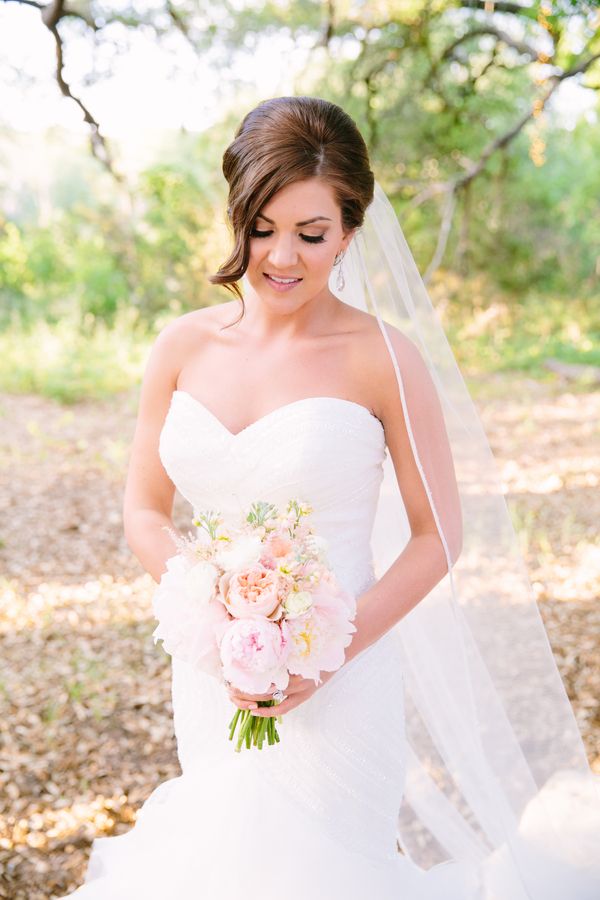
<point>254,604</point>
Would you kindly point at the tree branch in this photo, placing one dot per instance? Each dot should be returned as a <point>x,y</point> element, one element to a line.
<point>178,20</point>
<point>453,185</point>
<point>98,144</point>
<point>328,27</point>
<point>52,12</point>
<point>39,6</point>
<point>520,46</point>
<point>443,235</point>
<point>582,66</point>
<point>51,15</point>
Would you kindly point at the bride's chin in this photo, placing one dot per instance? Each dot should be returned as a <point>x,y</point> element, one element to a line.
<point>275,301</point>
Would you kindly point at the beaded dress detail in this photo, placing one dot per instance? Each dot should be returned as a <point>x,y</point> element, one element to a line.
<point>313,817</point>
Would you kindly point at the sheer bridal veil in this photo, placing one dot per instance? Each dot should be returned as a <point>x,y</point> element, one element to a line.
<point>497,777</point>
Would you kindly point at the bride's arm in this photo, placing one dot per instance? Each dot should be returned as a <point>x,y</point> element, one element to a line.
<point>422,563</point>
<point>149,492</point>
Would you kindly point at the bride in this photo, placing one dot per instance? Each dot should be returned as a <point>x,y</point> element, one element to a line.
<point>441,761</point>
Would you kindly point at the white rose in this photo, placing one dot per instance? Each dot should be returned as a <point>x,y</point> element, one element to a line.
<point>297,602</point>
<point>241,553</point>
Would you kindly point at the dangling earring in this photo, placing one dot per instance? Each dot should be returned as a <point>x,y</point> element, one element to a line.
<point>340,282</point>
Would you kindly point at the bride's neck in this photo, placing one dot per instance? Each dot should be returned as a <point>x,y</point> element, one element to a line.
<point>268,321</point>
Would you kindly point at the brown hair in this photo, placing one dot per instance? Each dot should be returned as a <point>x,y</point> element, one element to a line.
<point>281,141</point>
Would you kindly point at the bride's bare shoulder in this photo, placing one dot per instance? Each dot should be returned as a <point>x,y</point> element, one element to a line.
<point>185,331</point>
<point>203,320</point>
<point>373,360</point>
<point>371,338</point>
<point>181,339</point>
<point>370,341</point>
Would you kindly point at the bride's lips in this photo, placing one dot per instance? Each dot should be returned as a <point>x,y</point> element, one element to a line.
<point>278,286</point>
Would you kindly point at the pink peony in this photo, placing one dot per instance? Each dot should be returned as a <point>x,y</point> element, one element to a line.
<point>252,592</point>
<point>254,653</point>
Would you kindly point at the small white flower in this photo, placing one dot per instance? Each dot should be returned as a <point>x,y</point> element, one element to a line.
<point>297,602</point>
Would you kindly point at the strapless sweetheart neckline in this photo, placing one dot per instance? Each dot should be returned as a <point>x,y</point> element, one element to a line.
<point>279,410</point>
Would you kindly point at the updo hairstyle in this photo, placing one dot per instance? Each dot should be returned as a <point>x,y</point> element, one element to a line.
<point>281,141</point>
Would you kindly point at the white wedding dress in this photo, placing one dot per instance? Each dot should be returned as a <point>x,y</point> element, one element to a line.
<point>313,817</point>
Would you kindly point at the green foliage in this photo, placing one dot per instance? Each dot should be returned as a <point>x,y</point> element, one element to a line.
<point>431,85</point>
<point>540,227</point>
<point>62,361</point>
<point>170,236</point>
<point>33,273</point>
<point>105,250</point>
<point>487,330</point>
<point>490,332</point>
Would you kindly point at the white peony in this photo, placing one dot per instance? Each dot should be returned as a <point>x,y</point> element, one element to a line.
<point>241,553</point>
<point>199,582</point>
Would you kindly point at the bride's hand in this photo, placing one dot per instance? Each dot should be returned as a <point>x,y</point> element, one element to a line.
<point>298,690</point>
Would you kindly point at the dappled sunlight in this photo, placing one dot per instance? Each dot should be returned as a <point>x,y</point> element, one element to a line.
<point>41,829</point>
<point>80,606</point>
<point>576,578</point>
<point>551,478</point>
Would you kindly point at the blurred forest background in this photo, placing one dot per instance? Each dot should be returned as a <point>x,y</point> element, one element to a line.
<point>496,182</point>
<point>483,123</point>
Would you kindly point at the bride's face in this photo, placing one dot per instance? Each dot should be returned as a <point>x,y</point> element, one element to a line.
<point>296,236</point>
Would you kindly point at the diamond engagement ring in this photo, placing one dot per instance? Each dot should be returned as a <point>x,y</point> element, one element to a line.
<point>279,695</point>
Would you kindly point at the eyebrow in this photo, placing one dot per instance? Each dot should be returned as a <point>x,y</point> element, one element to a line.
<point>306,221</point>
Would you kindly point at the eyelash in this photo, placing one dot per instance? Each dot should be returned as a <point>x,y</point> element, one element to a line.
<point>310,239</point>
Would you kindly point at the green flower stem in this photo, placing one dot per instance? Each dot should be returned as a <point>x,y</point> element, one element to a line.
<point>245,730</point>
<point>256,726</point>
<point>253,729</point>
<point>233,723</point>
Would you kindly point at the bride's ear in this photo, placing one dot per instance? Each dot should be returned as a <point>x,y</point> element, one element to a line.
<point>347,239</point>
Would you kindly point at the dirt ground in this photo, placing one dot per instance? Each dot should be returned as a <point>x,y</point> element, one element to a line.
<point>85,713</point>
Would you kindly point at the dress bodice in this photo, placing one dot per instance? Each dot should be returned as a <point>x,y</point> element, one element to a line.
<point>326,451</point>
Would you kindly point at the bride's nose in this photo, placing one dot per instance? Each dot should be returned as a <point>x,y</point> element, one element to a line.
<point>282,252</point>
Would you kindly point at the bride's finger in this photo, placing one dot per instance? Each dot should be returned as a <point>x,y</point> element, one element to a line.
<point>245,704</point>
<point>279,709</point>
<point>293,687</point>
<point>250,704</point>
<point>248,701</point>
<point>243,696</point>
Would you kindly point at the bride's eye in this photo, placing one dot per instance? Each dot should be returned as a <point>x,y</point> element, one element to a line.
<point>309,238</point>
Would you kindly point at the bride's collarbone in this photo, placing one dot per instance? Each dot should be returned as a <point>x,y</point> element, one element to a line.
<point>239,400</point>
